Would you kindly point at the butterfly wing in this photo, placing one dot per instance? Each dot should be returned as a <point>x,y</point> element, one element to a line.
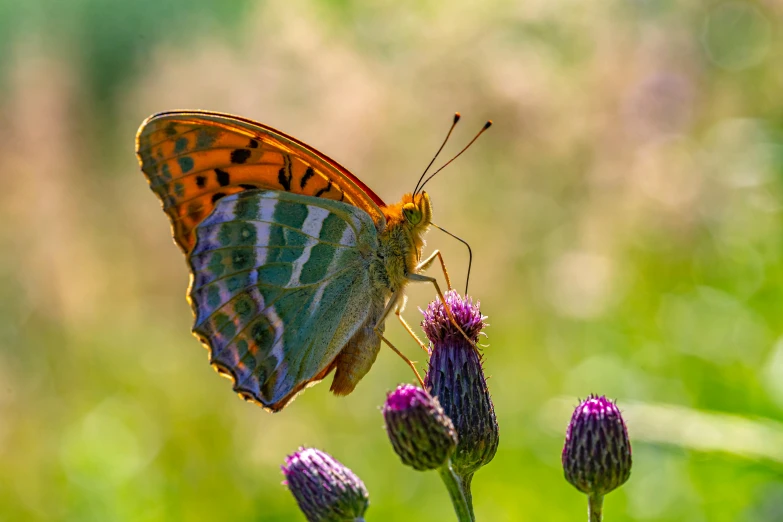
<point>280,285</point>
<point>192,159</point>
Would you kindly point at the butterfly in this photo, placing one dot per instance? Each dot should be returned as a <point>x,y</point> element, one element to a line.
<point>294,262</point>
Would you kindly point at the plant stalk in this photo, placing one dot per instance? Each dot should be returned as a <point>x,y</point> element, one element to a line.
<point>457,489</point>
<point>595,507</point>
<point>466,480</point>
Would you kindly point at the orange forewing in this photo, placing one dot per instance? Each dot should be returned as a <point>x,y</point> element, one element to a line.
<point>194,158</point>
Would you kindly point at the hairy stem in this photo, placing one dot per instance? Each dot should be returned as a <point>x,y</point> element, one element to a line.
<point>456,489</point>
<point>595,505</point>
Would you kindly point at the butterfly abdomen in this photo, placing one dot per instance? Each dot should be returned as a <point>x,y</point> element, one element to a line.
<point>358,356</point>
<point>399,250</point>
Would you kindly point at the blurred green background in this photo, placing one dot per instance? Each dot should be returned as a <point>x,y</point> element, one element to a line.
<point>625,214</point>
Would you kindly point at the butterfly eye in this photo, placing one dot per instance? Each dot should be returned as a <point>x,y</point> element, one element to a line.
<point>412,213</point>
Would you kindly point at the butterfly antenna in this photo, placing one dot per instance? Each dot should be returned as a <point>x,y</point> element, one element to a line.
<point>454,124</point>
<point>485,127</point>
<point>470,252</point>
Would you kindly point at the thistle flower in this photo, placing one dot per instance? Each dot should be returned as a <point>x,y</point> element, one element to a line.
<point>456,377</point>
<point>325,490</point>
<point>421,434</point>
<point>597,452</point>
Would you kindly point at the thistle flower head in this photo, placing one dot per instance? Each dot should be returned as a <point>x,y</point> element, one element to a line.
<point>421,434</point>
<point>324,489</point>
<point>456,377</point>
<point>440,329</point>
<point>597,452</point>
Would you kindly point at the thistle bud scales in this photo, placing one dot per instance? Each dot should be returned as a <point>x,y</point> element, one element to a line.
<point>420,432</point>
<point>456,377</point>
<point>324,489</point>
<point>597,452</point>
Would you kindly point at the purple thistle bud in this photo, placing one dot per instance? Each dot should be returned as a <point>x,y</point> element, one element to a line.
<point>597,452</point>
<point>421,434</point>
<point>456,377</point>
<point>324,489</point>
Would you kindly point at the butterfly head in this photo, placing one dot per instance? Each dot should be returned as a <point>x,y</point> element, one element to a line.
<point>417,211</point>
<point>406,224</point>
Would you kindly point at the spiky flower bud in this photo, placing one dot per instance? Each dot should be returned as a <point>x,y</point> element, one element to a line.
<point>325,490</point>
<point>456,377</point>
<point>597,452</point>
<point>421,434</point>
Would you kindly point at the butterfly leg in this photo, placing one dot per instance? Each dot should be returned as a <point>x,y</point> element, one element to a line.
<point>393,303</point>
<point>404,358</point>
<point>424,265</point>
<point>421,278</point>
<point>398,313</point>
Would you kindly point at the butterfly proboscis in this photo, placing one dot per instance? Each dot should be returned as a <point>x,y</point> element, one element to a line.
<point>424,265</point>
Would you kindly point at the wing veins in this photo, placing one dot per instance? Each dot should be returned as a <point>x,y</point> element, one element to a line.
<point>190,129</point>
<point>274,343</point>
<point>194,126</point>
<point>281,225</point>
<point>304,285</point>
<point>222,165</point>
<point>336,245</point>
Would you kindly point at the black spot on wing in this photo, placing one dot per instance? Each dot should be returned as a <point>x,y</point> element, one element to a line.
<point>201,181</point>
<point>283,179</point>
<point>222,177</point>
<point>253,144</point>
<point>309,173</point>
<point>324,190</point>
<point>239,155</point>
<point>217,195</point>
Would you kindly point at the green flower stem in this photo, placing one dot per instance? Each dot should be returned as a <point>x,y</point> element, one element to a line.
<point>466,480</point>
<point>595,504</point>
<point>457,489</point>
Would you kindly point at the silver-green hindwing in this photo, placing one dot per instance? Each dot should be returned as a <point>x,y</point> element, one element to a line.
<point>280,284</point>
